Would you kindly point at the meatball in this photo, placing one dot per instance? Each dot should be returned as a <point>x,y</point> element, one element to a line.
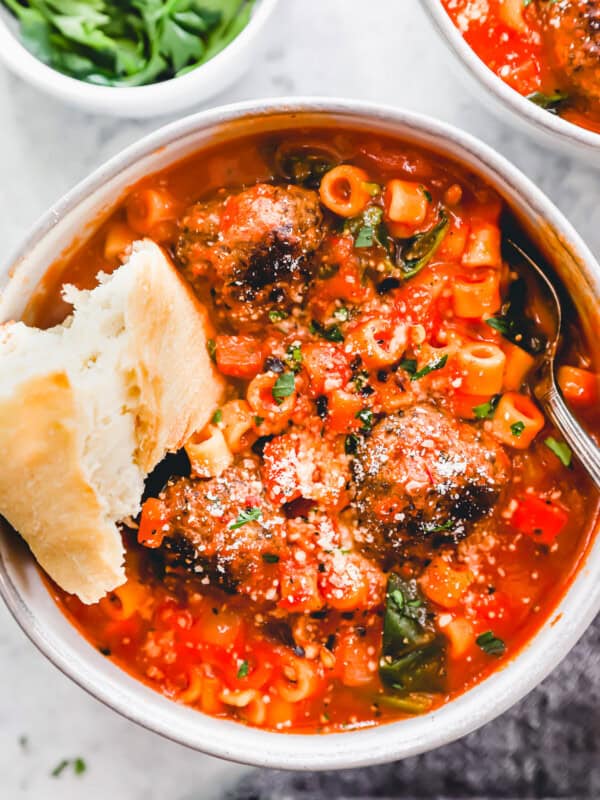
<point>423,473</point>
<point>572,35</point>
<point>224,530</point>
<point>255,248</point>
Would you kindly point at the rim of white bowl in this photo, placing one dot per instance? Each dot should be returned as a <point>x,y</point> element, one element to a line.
<point>485,701</point>
<point>17,58</point>
<point>566,131</point>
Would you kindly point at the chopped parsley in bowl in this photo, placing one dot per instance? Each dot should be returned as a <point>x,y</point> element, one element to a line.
<point>130,43</point>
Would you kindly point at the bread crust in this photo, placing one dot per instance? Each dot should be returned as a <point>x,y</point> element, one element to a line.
<point>49,487</point>
<point>179,384</point>
<point>45,494</point>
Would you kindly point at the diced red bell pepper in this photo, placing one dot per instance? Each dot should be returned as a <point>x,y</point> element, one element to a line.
<point>154,518</point>
<point>539,518</point>
<point>238,356</point>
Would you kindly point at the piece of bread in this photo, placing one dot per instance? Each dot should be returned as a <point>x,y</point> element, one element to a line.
<point>89,407</point>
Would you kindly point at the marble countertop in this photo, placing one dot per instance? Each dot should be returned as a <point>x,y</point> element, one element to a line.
<point>378,51</point>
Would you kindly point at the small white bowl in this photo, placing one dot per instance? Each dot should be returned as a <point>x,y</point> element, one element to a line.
<point>165,97</point>
<point>548,129</point>
<point>75,216</point>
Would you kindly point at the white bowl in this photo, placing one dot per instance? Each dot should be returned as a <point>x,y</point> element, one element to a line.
<point>20,582</point>
<point>549,129</point>
<point>154,99</point>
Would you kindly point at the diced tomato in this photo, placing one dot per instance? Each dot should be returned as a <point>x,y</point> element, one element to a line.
<point>539,518</point>
<point>154,518</point>
<point>345,280</point>
<point>326,367</point>
<point>343,585</point>
<point>299,586</point>
<point>342,410</point>
<point>444,583</point>
<point>222,629</point>
<point>491,607</point>
<point>239,356</point>
<point>255,668</point>
<point>354,663</point>
<point>280,470</point>
<point>579,386</point>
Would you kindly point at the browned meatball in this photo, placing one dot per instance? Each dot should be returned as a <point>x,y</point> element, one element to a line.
<point>421,473</point>
<point>254,246</point>
<point>572,34</point>
<point>225,530</point>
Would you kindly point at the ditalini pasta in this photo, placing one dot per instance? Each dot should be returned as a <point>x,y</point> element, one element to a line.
<point>377,514</point>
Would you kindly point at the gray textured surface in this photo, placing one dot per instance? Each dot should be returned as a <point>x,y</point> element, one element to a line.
<point>548,746</point>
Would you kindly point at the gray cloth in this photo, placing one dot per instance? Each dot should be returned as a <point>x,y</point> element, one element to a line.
<point>547,747</point>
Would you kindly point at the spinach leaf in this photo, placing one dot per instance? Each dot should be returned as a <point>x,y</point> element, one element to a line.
<point>416,252</point>
<point>303,163</point>
<point>553,102</point>
<point>413,657</point>
<point>332,333</point>
<point>514,324</point>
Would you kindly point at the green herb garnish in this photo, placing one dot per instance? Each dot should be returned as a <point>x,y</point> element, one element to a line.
<point>270,558</point>
<point>560,449</point>
<point>351,444</point>
<point>211,347</point>
<point>439,363</point>
<point>60,768</point>
<point>78,764</point>
<point>128,42</point>
<point>490,644</point>
<point>243,670</point>
<point>246,515</point>
<point>517,428</point>
<point>486,410</point>
<point>365,415</point>
<point>293,357</point>
<point>217,417</point>
<point>283,387</point>
<point>332,333</point>
<point>513,323</point>
<point>276,316</point>
<point>409,365</point>
<point>550,102</point>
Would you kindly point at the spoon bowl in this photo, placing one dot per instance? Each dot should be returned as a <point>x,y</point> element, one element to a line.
<point>547,389</point>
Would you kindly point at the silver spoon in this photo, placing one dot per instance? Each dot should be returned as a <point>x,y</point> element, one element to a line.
<point>548,393</point>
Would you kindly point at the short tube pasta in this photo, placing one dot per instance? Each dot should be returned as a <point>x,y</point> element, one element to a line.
<point>518,364</point>
<point>379,342</point>
<point>274,415</point>
<point>517,420</point>
<point>477,294</point>
<point>406,202</point>
<point>511,13</point>
<point>237,420</point>
<point>301,681</point>
<point>481,367</point>
<point>343,190</point>
<point>483,246</point>
<point>210,456</point>
<point>148,208</point>
<point>118,238</point>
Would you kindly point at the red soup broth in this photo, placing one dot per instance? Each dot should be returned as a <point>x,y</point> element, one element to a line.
<point>397,518</point>
<point>522,47</point>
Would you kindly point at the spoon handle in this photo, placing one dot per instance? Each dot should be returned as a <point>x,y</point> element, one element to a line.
<point>582,445</point>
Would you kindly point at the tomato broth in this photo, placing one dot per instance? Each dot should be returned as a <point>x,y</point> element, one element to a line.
<point>379,515</point>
